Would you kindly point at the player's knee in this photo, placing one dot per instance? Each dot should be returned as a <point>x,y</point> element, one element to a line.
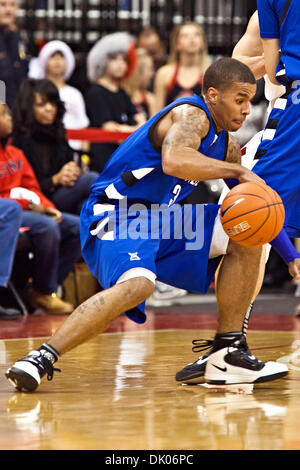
<point>139,287</point>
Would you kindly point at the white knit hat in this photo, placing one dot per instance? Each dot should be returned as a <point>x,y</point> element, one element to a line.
<point>38,66</point>
<point>99,54</point>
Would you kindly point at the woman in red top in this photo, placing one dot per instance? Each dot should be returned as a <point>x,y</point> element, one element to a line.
<point>188,61</point>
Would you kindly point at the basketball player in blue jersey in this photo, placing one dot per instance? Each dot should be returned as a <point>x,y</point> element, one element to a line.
<point>159,164</point>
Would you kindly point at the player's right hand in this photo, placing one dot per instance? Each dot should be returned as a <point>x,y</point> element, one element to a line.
<point>247,176</point>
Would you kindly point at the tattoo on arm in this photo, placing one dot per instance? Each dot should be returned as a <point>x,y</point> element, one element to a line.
<point>190,125</point>
<point>234,151</point>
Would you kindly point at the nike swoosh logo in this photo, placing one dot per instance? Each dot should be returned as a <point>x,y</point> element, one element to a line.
<point>232,205</point>
<point>223,369</point>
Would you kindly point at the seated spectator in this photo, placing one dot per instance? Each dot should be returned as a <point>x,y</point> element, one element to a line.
<point>13,56</point>
<point>54,235</point>
<point>39,132</point>
<point>56,62</point>
<point>109,107</point>
<point>149,40</point>
<point>137,86</point>
<point>188,61</point>
<point>10,222</point>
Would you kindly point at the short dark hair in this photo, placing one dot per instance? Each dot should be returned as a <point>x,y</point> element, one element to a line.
<point>222,73</point>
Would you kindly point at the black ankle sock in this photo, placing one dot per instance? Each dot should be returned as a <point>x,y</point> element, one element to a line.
<point>223,340</point>
<point>51,350</point>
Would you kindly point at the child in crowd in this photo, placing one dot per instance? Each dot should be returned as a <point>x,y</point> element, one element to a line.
<point>188,61</point>
<point>53,234</point>
<point>39,132</point>
<point>109,107</point>
<point>137,86</point>
<point>56,62</point>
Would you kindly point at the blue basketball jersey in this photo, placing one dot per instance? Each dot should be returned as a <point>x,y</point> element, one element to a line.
<point>135,170</point>
<point>281,19</point>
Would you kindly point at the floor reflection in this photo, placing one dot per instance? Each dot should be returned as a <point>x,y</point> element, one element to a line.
<point>118,392</point>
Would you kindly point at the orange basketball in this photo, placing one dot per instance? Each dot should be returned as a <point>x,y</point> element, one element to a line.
<point>252,214</point>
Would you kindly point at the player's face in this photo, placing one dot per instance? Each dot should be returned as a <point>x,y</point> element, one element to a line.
<point>44,111</point>
<point>232,106</point>
<point>6,122</point>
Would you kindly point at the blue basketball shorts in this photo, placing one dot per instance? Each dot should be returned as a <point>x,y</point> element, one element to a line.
<point>170,244</point>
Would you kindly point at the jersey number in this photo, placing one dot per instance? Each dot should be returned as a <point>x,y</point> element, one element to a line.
<point>176,192</point>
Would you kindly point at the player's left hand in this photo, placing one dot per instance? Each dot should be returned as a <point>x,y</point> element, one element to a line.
<point>294,269</point>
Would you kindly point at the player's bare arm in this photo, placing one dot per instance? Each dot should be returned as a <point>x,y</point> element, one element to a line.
<point>180,156</point>
<point>249,49</point>
<point>271,49</point>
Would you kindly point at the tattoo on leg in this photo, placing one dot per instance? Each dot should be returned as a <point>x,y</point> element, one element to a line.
<point>82,308</point>
<point>95,302</point>
<point>98,301</point>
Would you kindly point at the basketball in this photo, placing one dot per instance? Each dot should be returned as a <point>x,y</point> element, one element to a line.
<point>252,214</point>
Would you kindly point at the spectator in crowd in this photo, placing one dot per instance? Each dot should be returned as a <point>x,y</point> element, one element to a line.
<point>56,62</point>
<point>10,222</point>
<point>13,57</point>
<point>39,132</point>
<point>111,60</point>
<point>137,86</point>
<point>54,235</point>
<point>149,40</point>
<point>188,61</point>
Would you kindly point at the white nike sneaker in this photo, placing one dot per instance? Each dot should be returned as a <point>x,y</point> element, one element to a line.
<point>235,365</point>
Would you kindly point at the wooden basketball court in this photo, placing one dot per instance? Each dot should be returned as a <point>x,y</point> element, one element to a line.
<point>118,390</point>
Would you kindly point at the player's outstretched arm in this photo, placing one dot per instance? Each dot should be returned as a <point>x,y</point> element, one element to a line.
<point>180,156</point>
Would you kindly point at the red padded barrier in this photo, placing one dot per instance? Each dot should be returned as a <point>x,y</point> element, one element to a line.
<point>92,134</point>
